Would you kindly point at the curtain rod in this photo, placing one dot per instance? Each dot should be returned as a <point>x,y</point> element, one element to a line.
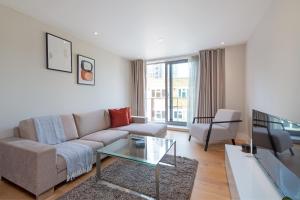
<point>162,60</point>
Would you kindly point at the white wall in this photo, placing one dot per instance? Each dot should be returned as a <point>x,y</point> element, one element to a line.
<point>28,89</point>
<point>235,82</point>
<point>273,62</point>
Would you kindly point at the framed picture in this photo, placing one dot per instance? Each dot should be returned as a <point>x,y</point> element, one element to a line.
<point>85,70</point>
<point>59,53</point>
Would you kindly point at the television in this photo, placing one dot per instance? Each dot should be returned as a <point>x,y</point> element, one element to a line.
<point>278,151</point>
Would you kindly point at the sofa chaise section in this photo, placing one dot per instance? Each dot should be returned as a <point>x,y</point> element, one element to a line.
<point>145,129</point>
<point>140,126</point>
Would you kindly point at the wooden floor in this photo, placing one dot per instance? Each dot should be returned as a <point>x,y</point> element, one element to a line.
<point>210,182</point>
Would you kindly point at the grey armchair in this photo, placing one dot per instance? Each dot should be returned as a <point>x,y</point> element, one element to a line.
<point>222,127</point>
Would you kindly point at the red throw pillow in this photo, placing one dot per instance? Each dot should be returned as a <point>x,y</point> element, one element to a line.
<point>118,117</point>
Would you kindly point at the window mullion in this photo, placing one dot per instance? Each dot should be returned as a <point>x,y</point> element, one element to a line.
<point>166,93</point>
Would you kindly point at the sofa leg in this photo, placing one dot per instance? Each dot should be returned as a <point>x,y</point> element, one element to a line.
<point>291,151</point>
<point>45,195</point>
<point>190,138</point>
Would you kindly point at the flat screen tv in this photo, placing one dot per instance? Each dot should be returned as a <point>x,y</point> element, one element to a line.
<point>278,151</point>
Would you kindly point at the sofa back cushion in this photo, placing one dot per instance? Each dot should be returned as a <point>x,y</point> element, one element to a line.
<point>130,115</point>
<point>107,118</point>
<point>27,128</point>
<point>91,122</point>
<point>69,127</point>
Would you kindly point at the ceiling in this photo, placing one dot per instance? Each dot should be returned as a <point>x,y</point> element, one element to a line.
<point>150,28</point>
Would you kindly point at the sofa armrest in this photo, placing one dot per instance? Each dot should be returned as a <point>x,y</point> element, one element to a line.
<point>29,164</point>
<point>139,119</point>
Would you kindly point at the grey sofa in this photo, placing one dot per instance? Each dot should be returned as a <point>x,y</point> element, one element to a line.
<point>36,167</point>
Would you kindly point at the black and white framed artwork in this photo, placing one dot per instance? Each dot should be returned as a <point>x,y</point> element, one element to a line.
<point>59,53</point>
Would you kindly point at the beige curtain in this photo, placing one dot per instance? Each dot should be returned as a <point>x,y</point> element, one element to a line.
<point>211,93</point>
<point>193,88</point>
<point>138,87</point>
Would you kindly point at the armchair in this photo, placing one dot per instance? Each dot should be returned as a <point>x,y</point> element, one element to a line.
<point>222,127</point>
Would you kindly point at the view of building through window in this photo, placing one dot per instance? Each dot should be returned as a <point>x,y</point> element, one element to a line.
<point>167,92</point>
<point>156,92</point>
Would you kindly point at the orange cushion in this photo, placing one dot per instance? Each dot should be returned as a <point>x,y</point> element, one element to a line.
<point>118,117</point>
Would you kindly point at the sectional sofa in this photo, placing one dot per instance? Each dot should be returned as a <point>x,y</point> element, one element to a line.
<point>37,168</point>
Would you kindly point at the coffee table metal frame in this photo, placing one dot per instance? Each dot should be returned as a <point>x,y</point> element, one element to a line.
<point>156,166</point>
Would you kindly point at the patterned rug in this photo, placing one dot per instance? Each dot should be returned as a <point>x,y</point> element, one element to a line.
<point>175,183</point>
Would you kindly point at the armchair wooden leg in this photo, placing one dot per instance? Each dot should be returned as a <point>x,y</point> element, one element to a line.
<point>292,152</point>
<point>208,137</point>
<point>190,138</point>
<point>206,146</point>
<point>233,141</point>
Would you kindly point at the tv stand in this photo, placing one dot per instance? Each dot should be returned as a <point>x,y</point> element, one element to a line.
<point>247,180</point>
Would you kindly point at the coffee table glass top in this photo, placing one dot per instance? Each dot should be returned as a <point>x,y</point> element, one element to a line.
<point>145,149</point>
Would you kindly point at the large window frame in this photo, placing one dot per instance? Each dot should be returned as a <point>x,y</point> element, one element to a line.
<point>169,94</point>
<point>171,119</point>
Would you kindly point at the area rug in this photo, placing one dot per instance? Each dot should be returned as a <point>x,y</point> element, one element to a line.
<point>175,183</point>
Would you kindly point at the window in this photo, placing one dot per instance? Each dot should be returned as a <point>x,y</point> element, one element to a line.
<point>175,114</point>
<point>153,93</point>
<point>158,93</point>
<point>178,115</point>
<point>157,72</point>
<point>167,92</point>
<point>158,114</point>
<point>182,93</point>
<point>163,113</point>
<point>163,92</point>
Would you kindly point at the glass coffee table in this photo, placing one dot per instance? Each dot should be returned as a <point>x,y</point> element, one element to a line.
<point>142,149</point>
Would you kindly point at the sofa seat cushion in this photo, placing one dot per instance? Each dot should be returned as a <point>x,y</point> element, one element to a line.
<point>60,161</point>
<point>149,129</point>
<point>106,136</point>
